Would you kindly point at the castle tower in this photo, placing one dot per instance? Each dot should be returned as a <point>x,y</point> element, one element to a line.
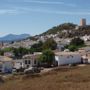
<point>83,22</point>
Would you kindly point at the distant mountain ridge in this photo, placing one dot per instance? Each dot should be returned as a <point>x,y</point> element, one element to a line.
<point>13,37</point>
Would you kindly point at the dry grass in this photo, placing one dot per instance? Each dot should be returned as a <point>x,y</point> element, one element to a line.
<point>77,78</point>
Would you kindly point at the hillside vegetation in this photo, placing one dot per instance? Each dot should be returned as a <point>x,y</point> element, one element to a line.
<point>59,28</point>
<point>69,30</point>
<point>75,78</point>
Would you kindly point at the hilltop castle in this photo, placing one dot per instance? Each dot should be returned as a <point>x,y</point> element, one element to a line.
<point>83,22</point>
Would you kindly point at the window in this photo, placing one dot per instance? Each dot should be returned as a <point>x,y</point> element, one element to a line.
<point>35,62</point>
<point>20,63</point>
<point>0,66</point>
<point>26,62</point>
<point>29,62</point>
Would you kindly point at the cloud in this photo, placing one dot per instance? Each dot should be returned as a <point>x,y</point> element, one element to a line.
<point>25,10</point>
<point>43,2</point>
<point>28,10</point>
<point>8,11</point>
<point>51,2</point>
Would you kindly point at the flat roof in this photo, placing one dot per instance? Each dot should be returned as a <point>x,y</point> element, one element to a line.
<point>67,53</point>
<point>4,58</point>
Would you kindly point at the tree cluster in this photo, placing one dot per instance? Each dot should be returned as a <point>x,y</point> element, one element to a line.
<point>59,28</point>
<point>40,46</point>
<point>47,58</point>
<point>71,30</point>
<point>75,44</point>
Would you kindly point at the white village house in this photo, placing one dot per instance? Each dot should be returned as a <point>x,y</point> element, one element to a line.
<point>65,58</point>
<point>6,64</point>
<point>30,60</point>
<point>86,38</point>
<point>85,53</point>
<point>18,64</point>
<point>27,61</point>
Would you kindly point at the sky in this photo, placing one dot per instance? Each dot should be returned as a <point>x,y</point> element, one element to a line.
<point>36,16</point>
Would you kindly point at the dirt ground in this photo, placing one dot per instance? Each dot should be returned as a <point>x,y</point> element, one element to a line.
<point>74,78</point>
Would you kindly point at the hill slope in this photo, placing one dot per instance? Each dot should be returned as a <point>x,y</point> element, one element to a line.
<point>59,28</point>
<point>68,30</point>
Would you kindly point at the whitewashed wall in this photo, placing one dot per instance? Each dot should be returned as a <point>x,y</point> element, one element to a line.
<point>31,63</point>
<point>7,67</point>
<point>18,64</point>
<point>68,59</point>
<point>89,61</point>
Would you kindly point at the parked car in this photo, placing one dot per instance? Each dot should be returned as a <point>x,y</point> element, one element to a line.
<point>18,70</point>
<point>32,70</point>
<point>14,70</point>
